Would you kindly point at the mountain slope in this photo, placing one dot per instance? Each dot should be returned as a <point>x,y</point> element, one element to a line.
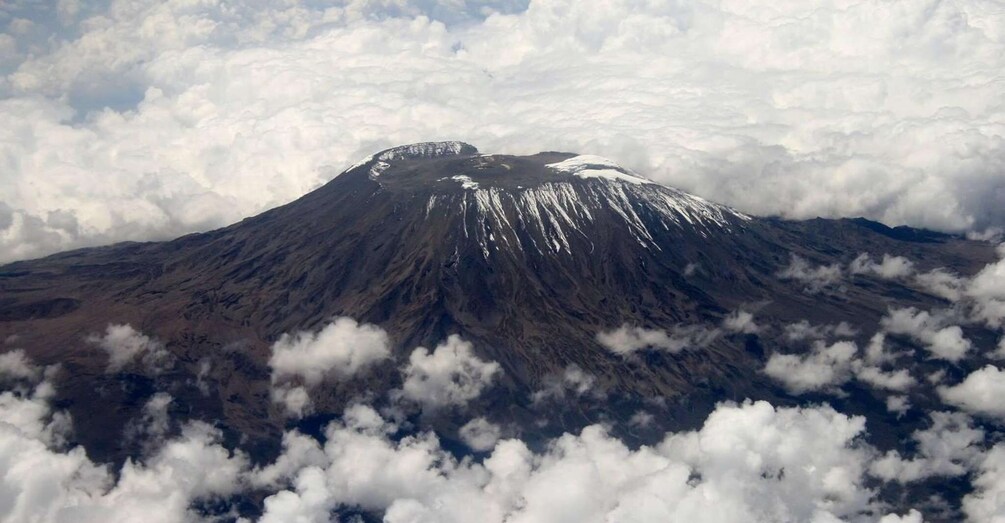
<point>527,257</point>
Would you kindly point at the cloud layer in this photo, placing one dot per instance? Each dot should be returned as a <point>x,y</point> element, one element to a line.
<point>138,120</point>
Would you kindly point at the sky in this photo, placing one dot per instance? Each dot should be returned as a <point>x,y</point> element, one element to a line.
<point>141,120</point>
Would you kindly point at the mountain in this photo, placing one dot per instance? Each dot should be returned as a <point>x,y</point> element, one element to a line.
<point>527,257</point>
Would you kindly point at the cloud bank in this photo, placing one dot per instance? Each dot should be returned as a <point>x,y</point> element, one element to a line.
<point>141,120</point>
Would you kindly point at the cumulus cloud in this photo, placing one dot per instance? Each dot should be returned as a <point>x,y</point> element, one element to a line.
<point>942,283</point>
<point>188,116</point>
<point>480,434</point>
<point>987,502</point>
<point>814,278</point>
<point>295,399</point>
<point>987,290</point>
<point>826,367</point>
<point>339,350</point>
<point>44,482</point>
<point>14,366</point>
<point>755,461</point>
<point>627,339</point>
<point>154,422</point>
<point>741,322</point>
<point>890,267</point>
<point>949,447</point>
<point>804,330</point>
<point>572,381</point>
<point>898,404</point>
<point>980,392</point>
<point>899,380</point>
<point>126,345</point>
<point>912,516</point>
<point>940,339</point>
<point>747,461</point>
<point>450,375</point>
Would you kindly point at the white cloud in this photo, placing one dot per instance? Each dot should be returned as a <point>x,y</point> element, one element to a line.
<point>891,267</point>
<point>125,345</point>
<point>987,502</point>
<point>814,278</point>
<point>42,482</point>
<point>899,380</point>
<point>154,421</point>
<point>804,330</point>
<point>740,321</point>
<point>824,367</point>
<point>943,283</point>
<point>14,365</point>
<point>298,452</point>
<point>480,434</point>
<point>987,290</point>
<point>572,380</point>
<point>949,447</point>
<point>980,392</point>
<point>626,339</point>
<point>449,376</point>
<point>340,350</point>
<point>941,340</point>
<point>898,404</point>
<point>641,419</point>
<point>749,461</point>
<point>912,516</point>
<point>187,116</point>
<point>295,399</point>
<point>999,352</point>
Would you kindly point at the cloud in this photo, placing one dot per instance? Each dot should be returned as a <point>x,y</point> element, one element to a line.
<point>626,339</point>
<point>14,366</point>
<point>979,393</point>
<point>741,322</point>
<point>451,375</point>
<point>814,278</point>
<point>189,116</point>
<point>899,380</point>
<point>295,399</point>
<point>753,460</point>
<point>898,405</point>
<point>154,422</point>
<point>747,461</point>
<point>941,340</point>
<point>573,380</point>
<point>340,350</point>
<point>987,501</point>
<point>825,367</point>
<point>480,434</point>
<point>949,447</point>
<point>942,283</point>
<point>987,290</point>
<point>891,267</point>
<point>42,481</point>
<point>913,516</point>
<point>125,345</point>
<point>804,330</point>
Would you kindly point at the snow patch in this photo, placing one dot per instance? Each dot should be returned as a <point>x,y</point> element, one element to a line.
<point>465,181</point>
<point>591,166</point>
<point>426,150</point>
